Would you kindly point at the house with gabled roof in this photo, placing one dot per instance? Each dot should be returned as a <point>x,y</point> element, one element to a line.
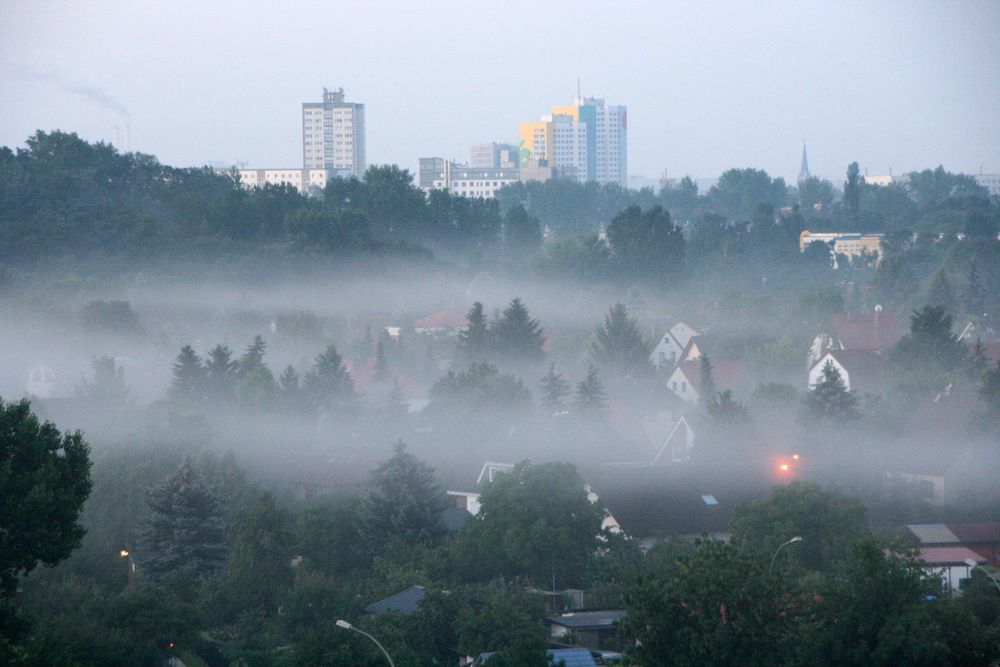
<point>877,330</point>
<point>863,371</point>
<point>668,350</point>
<point>685,381</point>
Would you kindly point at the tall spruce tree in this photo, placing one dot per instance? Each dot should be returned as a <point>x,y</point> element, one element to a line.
<point>829,400</point>
<point>328,384</point>
<point>708,389</point>
<point>590,398</point>
<point>403,499</point>
<point>925,358</point>
<point>381,363</point>
<point>220,374</point>
<point>253,356</point>
<point>973,296</point>
<point>188,383</point>
<point>185,530</point>
<point>989,394</point>
<point>474,340</point>
<point>940,293</point>
<point>618,346</point>
<point>555,391</point>
<point>517,337</point>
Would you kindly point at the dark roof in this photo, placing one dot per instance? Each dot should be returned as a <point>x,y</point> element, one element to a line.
<point>454,518</point>
<point>404,602</point>
<point>570,657</point>
<point>588,620</point>
<point>870,331</point>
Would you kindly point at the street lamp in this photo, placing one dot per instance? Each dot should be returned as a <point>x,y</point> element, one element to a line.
<point>124,553</point>
<point>989,575</point>
<point>341,623</point>
<point>795,539</point>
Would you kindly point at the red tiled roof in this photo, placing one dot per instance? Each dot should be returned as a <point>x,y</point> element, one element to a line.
<point>987,531</point>
<point>871,331</point>
<point>726,374</point>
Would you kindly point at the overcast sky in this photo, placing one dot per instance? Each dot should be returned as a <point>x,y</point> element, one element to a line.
<point>708,85</point>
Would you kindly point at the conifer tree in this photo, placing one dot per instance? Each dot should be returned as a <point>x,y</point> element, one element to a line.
<point>555,391</point>
<point>708,389</point>
<point>590,397</point>
<point>989,394</point>
<point>474,340</point>
<point>290,389</point>
<point>108,386</point>
<point>381,363</point>
<point>328,384</point>
<point>186,529</point>
<point>830,400</point>
<point>404,499</point>
<point>253,357</point>
<point>517,337</point>
<point>723,408</point>
<point>976,363</point>
<point>396,404</point>
<point>973,296</point>
<point>940,292</point>
<point>220,374</point>
<point>618,344</point>
<point>188,383</point>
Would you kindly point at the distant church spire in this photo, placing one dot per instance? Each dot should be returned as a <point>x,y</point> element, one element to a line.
<point>804,169</point>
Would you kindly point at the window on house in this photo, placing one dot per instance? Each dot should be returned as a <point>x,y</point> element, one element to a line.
<point>684,387</point>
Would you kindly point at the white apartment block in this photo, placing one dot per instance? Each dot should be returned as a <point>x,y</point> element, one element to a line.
<point>464,180</point>
<point>303,180</point>
<point>333,135</point>
<point>612,142</point>
<point>569,147</point>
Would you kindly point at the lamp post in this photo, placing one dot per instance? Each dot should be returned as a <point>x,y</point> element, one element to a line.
<point>341,623</point>
<point>124,553</point>
<point>795,539</point>
<point>989,575</point>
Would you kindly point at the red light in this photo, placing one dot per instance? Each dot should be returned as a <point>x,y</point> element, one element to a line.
<point>783,467</point>
<point>795,456</point>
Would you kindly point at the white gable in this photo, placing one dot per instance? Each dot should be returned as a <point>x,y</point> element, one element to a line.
<point>667,352</point>
<point>816,372</point>
<point>682,333</point>
<point>677,446</point>
<point>679,384</point>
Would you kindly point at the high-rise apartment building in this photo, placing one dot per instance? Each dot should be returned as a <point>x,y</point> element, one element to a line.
<point>587,141</point>
<point>493,156</point>
<point>333,135</point>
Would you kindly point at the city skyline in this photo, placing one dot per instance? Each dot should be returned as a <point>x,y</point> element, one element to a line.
<point>892,86</point>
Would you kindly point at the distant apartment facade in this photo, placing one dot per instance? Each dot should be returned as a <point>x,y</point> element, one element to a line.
<point>844,243</point>
<point>464,180</point>
<point>494,156</point>
<point>585,141</point>
<point>989,181</point>
<point>333,135</point>
<point>303,180</point>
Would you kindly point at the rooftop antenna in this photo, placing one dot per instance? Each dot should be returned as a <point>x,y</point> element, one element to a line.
<point>118,132</point>
<point>578,96</point>
<point>128,137</point>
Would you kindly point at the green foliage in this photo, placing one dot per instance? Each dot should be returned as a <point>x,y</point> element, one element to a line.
<point>708,389</point>
<point>403,498</point>
<point>720,609</point>
<point>830,401</point>
<point>328,385</point>
<point>535,521</point>
<point>618,345</point>
<point>474,340</point>
<point>926,357</point>
<point>259,565</point>
<point>186,530</point>
<point>989,394</point>
<point>555,391</point>
<point>220,374</point>
<point>739,191</point>
<point>647,245</point>
<point>111,316</point>
<point>188,384</point>
<point>481,387</point>
<point>940,292</point>
<point>44,481</point>
<point>724,409</point>
<point>827,522</point>
<point>590,398</point>
<point>328,536</point>
<point>522,232</point>
<point>852,193</point>
<point>108,387</point>
<point>508,626</point>
<point>894,281</point>
<point>516,336</point>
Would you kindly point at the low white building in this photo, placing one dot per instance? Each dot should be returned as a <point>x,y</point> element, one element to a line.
<point>464,180</point>
<point>302,180</point>
<point>950,563</point>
